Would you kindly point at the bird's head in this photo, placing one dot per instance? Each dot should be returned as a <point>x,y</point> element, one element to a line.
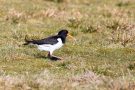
<point>65,33</point>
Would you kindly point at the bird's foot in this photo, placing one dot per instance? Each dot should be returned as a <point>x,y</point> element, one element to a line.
<point>54,58</point>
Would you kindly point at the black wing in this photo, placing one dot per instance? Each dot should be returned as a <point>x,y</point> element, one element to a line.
<point>50,40</point>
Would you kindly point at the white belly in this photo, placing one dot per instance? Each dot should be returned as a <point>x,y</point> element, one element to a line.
<point>51,48</point>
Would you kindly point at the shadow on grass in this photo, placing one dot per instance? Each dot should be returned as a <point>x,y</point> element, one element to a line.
<point>52,58</point>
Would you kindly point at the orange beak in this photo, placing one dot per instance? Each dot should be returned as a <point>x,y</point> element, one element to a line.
<point>71,37</point>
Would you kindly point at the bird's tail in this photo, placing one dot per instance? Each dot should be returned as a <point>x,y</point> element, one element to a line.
<point>27,41</point>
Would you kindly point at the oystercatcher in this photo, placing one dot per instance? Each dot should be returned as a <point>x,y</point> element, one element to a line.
<point>51,43</point>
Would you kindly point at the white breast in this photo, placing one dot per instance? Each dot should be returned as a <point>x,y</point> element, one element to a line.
<point>59,44</point>
<point>51,48</point>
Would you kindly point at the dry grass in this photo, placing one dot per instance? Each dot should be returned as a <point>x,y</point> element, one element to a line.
<point>47,80</point>
<point>122,33</point>
<point>102,58</point>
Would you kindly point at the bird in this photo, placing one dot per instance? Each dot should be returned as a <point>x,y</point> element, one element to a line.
<point>51,43</point>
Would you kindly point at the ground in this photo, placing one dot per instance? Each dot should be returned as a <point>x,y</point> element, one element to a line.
<point>102,58</point>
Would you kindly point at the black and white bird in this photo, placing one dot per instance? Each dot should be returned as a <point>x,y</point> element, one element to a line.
<point>51,43</point>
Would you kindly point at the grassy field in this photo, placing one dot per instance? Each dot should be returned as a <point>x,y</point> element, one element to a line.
<point>102,58</point>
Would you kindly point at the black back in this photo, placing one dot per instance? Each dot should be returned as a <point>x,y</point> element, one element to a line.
<point>50,40</point>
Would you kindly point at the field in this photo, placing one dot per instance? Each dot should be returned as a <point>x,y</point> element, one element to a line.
<point>102,58</point>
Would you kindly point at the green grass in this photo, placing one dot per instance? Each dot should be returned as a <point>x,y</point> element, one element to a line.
<point>102,58</point>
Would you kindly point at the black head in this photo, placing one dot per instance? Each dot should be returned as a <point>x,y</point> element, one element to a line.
<point>63,33</point>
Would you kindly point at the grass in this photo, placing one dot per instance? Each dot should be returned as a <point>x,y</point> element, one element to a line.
<point>102,58</point>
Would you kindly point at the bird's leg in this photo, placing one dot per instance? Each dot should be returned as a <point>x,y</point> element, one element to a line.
<point>49,55</point>
<point>52,57</point>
